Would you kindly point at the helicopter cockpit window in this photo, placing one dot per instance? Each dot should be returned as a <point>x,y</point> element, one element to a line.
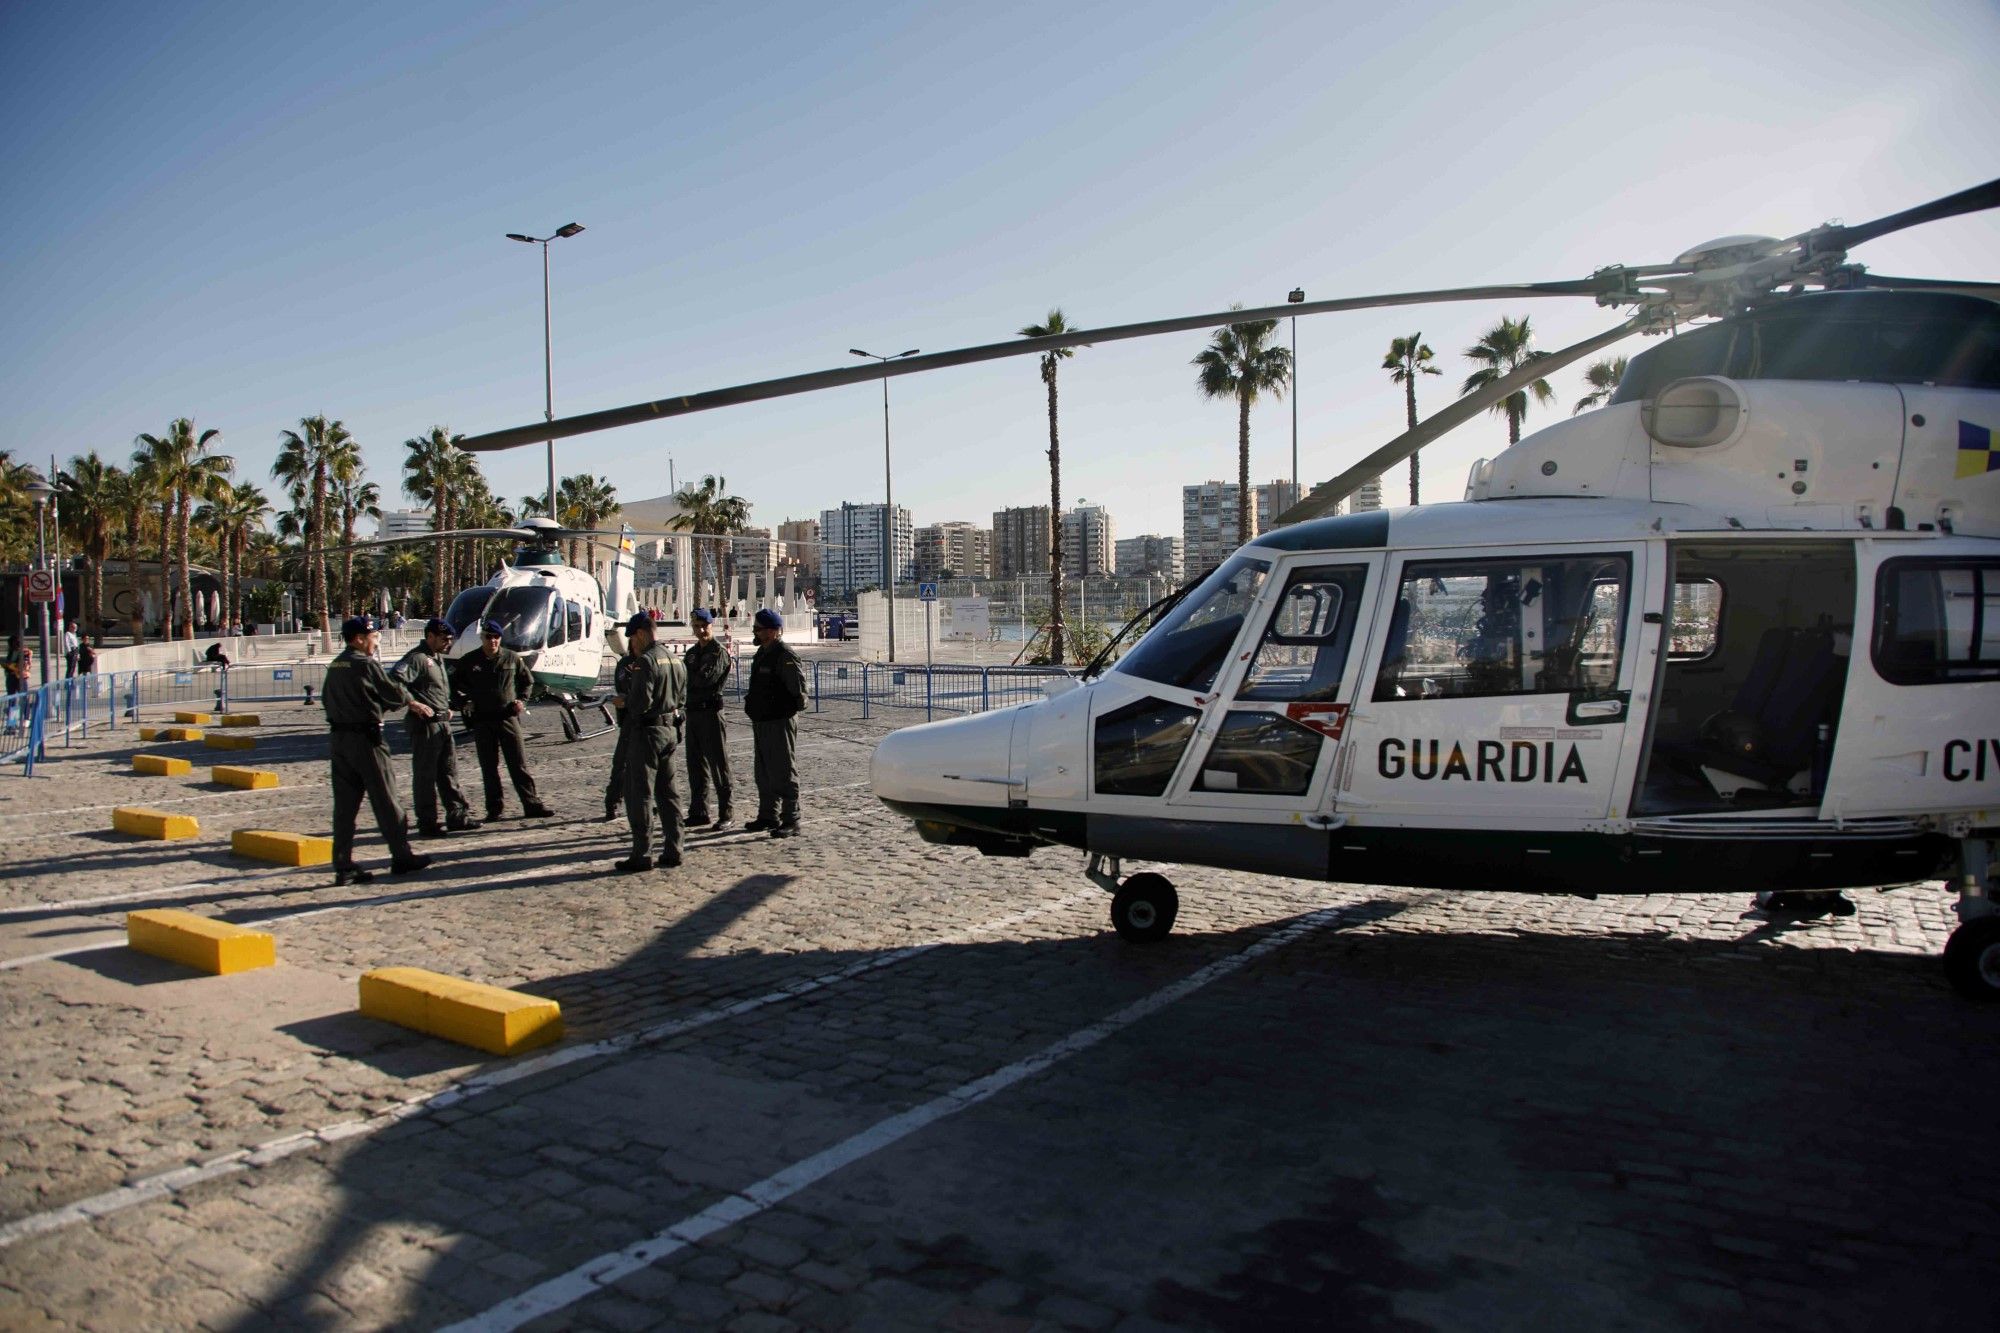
<point>1188,648</point>
<point>1697,620</point>
<point>1939,621</point>
<point>523,614</point>
<point>1139,747</point>
<point>558,635</point>
<point>1527,625</point>
<point>1304,650</point>
<point>467,607</point>
<point>574,615</point>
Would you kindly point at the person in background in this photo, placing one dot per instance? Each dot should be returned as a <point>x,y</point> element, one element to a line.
<point>494,683</point>
<point>433,754</point>
<point>19,664</point>
<point>775,697</point>
<point>707,734</point>
<point>649,718</point>
<point>70,644</point>
<point>614,788</point>
<point>86,657</point>
<point>356,694</point>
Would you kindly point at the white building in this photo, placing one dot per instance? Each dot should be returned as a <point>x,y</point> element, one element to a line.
<point>1089,542</point>
<point>955,549</point>
<point>403,523</point>
<point>1368,497</point>
<point>858,536</point>
<point>1273,499</point>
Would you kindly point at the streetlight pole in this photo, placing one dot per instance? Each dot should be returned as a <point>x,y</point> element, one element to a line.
<point>888,495</point>
<point>41,492</point>
<point>1295,296</point>
<point>548,342</point>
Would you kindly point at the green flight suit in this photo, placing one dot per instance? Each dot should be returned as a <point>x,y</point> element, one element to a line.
<point>433,753</point>
<point>649,727</point>
<point>356,694</point>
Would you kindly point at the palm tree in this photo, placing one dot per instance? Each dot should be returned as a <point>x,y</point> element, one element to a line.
<point>356,497</point>
<point>150,475</point>
<point>1505,348</point>
<point>305,464</point>
<point>132,498</point>
<point>90,506</point>
<point>584,501</point>
<point>230,516</point>
<point>1242,362</point>
<point>187,472</point>
<point>1055,324</point>
<point>434,470</point>
<point>1408,358</point>
<point>1602,377</point>
<point>17,511</point>
<point>708,509</point>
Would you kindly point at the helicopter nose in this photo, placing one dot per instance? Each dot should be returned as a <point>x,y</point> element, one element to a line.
<point>962,761</point>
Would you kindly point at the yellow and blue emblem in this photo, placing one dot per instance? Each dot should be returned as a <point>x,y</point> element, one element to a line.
<point>1975,450</point>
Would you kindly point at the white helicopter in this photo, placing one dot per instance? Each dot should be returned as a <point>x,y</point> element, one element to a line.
<point>1738,629</point>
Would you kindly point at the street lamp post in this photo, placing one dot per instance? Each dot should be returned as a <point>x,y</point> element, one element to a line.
<point>888,495</point>
<point>548,342</point>
<point>41,493</point>
<point>1296,295</point>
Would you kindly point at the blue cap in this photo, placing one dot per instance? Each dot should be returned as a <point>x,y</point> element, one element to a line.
<point>768,619</point>
<point>354,625</point>
<point>701,615</point>
<point>489,627</point>
<point>440,625</point>
<point>639,620</point>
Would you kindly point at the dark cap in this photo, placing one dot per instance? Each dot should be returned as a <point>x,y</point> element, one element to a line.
<point>701,615</point>
<point>354,625</point>
<point>640,620</point>
<point>438,625</point>
<point>768,619</point>
<point>489,627</point>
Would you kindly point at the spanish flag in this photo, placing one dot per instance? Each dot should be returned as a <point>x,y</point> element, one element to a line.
<point>1975,450</point>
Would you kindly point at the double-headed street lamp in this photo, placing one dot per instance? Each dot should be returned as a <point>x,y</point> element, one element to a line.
<point>548,353</point>
<point>888,496</point>
<point>41,493</point>
<point>1295,296</point>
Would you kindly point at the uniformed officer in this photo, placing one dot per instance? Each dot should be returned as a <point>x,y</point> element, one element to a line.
<point>356,694</point>
<point>494,683</point>
<point>774,698</point>
<point>707,734</point>
<point>614,787</point>
<point>649,717</point>
<point>433,754</point>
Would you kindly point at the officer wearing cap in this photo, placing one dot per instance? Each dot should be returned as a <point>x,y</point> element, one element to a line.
<point>433,755</point>
<point>649,717</point>
<point>356,694</point>
<point>614,786</point>
<point>493,684</point>
<point>707,664</point>
<point>774,698</point>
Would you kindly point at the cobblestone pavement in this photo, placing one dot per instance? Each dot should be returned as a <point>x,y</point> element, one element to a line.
<point>853,1080</point>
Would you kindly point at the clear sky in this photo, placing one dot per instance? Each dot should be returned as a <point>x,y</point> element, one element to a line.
<point>249,213</point>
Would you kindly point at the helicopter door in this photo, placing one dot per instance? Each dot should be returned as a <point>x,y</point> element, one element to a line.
<point>1272,747</point>
<point>1498,688</point>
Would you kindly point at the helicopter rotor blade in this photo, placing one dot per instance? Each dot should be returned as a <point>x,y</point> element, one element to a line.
<point>1325,496</point>
<point>1989,290</point>
<point>611,418</point>
<point>450,534</point>
<point>1975,200</point>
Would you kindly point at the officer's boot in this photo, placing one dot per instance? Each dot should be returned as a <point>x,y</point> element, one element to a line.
<point>788,822</point>
<point>766,820</point>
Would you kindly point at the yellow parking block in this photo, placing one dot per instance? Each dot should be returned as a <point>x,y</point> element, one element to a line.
<point>249,779</point>
<point>212,946</point>
<point>160,766</point>
<point>194,719</point>
<point>500,1022</point>
<point>240,720</point>
<point>144,823</point>
<point>170,733</point>
<point>216,742</point>
<point>287,849</point>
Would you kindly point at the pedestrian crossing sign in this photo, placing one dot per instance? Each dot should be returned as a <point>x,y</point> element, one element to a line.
<point>927,592</point>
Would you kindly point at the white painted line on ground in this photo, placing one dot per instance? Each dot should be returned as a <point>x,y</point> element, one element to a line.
<point>173,1182</point>
<point>79,904</point>
<point>593,1275</point>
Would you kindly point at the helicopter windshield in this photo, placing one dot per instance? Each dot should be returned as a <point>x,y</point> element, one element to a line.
<point>523,614</point>
<point>1189,646</point>
<point>467,607</point>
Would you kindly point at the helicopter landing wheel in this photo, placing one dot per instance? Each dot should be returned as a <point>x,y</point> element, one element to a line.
<point>1144,908</point>
<point>1972,959</point>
